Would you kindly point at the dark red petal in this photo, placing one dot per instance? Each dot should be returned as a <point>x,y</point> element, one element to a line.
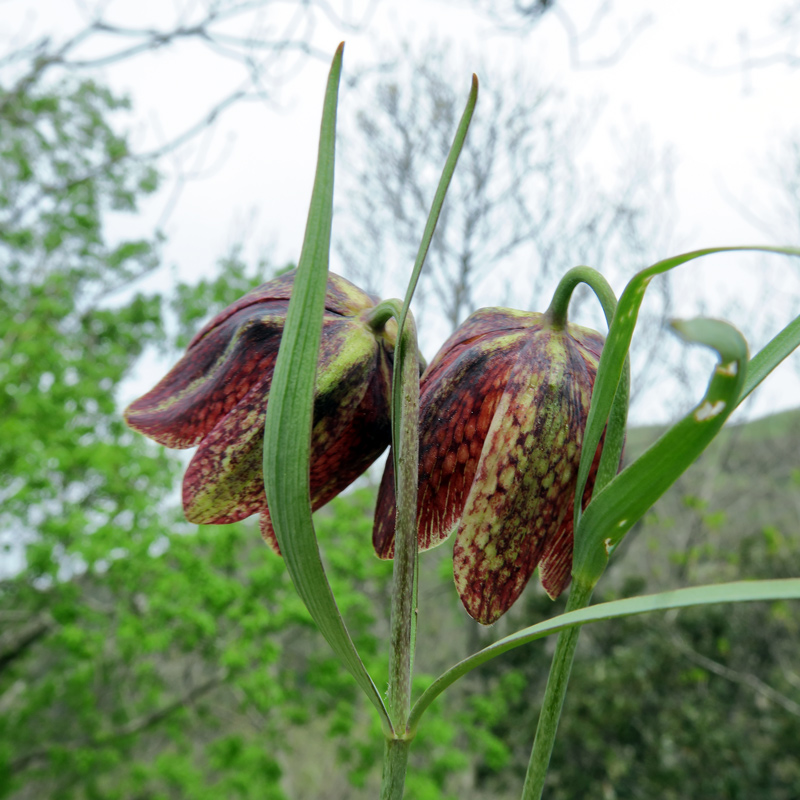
<point>525,480</point>
<point>346,298</point>
<point>224,482</point>
<point>226,358</point>
<point>555,568</point>
<point>268,532</point>
<point>353,430</point>
<point>484,324</point>
<point>589,343</point>
<point>341,454</point>
<point>458,398</point>
<point>214,375</point>
<point>342,298</point>
<point>385,512</point>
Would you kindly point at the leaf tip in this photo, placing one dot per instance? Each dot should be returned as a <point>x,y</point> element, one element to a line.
<point>473,92</point>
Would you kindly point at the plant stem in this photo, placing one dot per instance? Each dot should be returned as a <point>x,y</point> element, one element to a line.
<point>405,445</point>
<point>405,407</point>
<point>557,312</point>
<point>554,695</point>
<point>401,656</point>
<point>395,760</point>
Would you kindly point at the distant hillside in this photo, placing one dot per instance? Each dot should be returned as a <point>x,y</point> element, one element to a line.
<point>785,425</point>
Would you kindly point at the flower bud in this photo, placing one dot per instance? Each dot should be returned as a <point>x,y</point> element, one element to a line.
<point>216,397</point>
<point>503,408</point>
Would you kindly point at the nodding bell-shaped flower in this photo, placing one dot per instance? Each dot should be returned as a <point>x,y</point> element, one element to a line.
<point>503,408</point>
<point>216,397</point>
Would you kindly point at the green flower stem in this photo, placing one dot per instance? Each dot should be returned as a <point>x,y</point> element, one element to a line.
<point>405,407</point>
<point>618,418</point>
<point>557,312</point>
<point>395,761</point>
<point>581,591</point>
<point>382,313</point>
<point>556,690</point>
<point>405,541</point>
<point>405,445</point>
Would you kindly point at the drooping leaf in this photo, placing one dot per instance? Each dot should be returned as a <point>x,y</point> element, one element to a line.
<point>613,512</point>
<point>618,343</point>
<point>736,592</point>
<point>287,435</point>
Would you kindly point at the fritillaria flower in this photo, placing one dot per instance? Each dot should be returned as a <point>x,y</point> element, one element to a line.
<point>216,397</point>
<point>503,408</point>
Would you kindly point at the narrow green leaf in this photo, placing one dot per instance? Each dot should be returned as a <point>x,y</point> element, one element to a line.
<point>776,350</point>
<point>738,592</point>
<point>618,343</point>
<point>613,512</point>
<point>287,434</point>
<point>427,236</point>
<point>615,435</point>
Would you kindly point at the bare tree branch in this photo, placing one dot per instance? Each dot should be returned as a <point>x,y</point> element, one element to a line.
<point>270,53</point>
<point>520,16</point>
<point>15,643</point>
<point>519,210</point>
<point>735,676</point>
<point>579,40</point>
<point>780,47</point>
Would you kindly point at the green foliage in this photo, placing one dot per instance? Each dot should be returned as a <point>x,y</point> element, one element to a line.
<point>68,461</point>
<point>62,167</point>
<point>123,630</point>
<point>689,707</point>
<point>630,495</point>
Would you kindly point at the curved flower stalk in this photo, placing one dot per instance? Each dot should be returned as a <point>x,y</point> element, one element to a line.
<point>216,397</point>
<point>503,407</point>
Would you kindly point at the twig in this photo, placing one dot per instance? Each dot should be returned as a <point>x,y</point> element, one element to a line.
<point>735,676</point>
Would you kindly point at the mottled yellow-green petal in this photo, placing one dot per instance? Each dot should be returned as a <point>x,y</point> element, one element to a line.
<point>525,479</point>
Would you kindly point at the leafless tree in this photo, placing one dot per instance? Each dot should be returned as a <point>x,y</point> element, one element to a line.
<point>786,171</point>
<point>522,209</point>
<point>779,46</point>
<point>599,23</point>
<point>266,39</point>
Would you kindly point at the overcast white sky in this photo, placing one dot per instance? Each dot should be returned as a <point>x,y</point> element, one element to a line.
<point>724,131</point>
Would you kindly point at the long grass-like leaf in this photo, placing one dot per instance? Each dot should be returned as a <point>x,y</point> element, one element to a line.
<point>287,435</point>
<point>402,354</point>
<point>613,512</point>
<point>775,351</point>
<point>738,592</point>
<point>427,235</point>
